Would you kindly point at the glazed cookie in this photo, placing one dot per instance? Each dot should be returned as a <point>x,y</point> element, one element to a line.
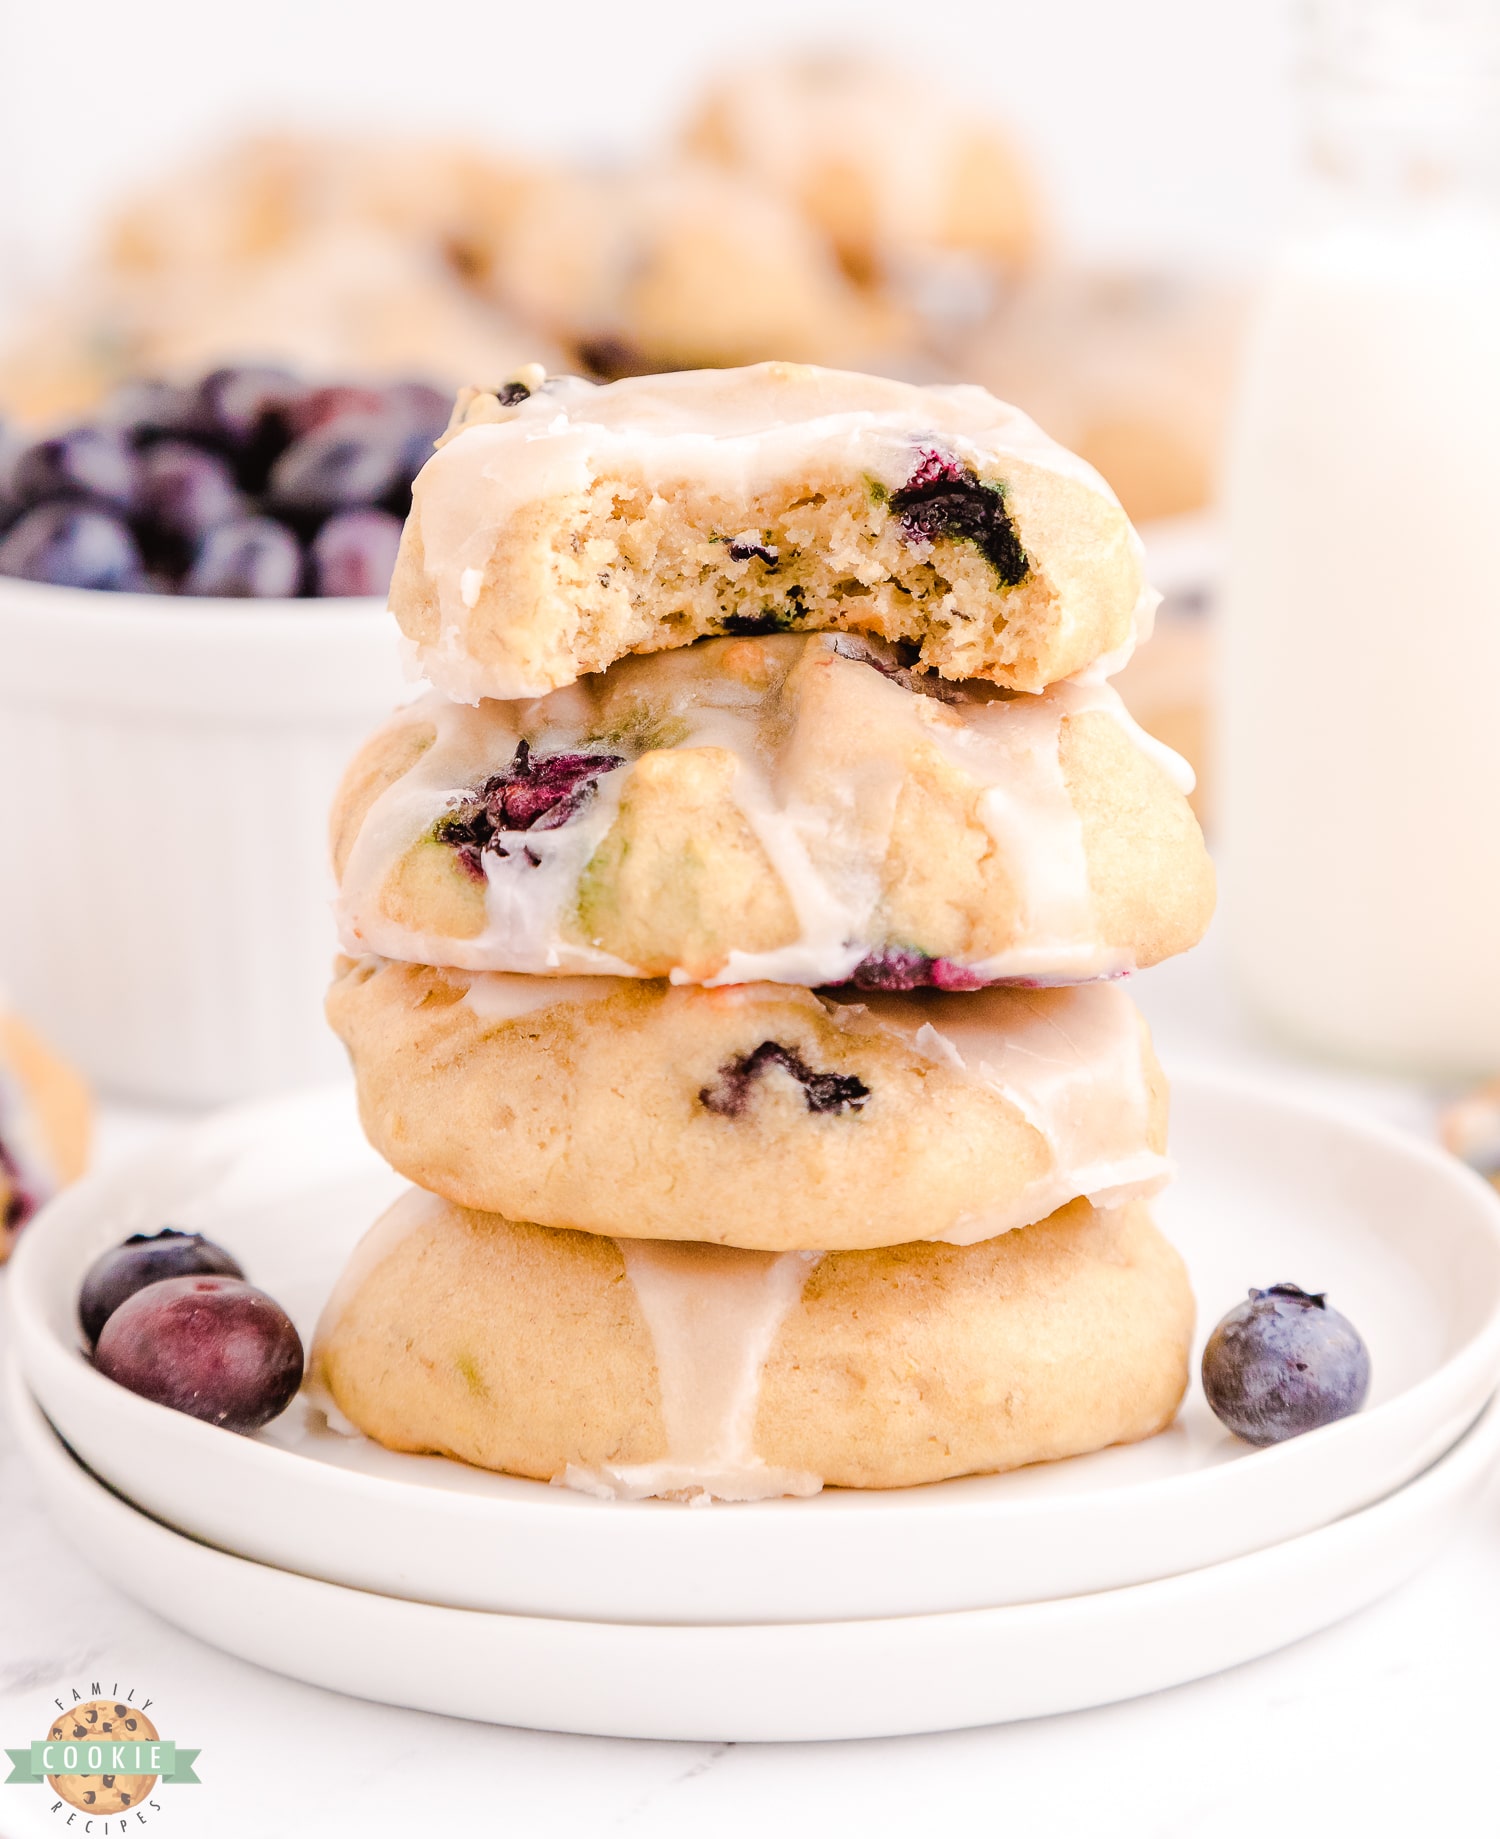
<point>1133,369</point>
<point>44,1125</point>
<point>803,809</point>
<point>679,267</point>
<point>897,172</point>
<point>562,525</point>
<point>760,1115</point>
<point>637,1368</point>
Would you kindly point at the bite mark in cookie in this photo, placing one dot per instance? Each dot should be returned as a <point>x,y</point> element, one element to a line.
<point>824,1092</point>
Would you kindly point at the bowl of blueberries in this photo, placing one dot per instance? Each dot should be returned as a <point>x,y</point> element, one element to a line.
<point>193,641</point>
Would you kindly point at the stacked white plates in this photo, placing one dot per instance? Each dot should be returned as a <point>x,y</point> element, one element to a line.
<point>422,1582</point>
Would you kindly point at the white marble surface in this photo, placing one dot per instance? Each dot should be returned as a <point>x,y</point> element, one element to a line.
<point>1384,1724</point>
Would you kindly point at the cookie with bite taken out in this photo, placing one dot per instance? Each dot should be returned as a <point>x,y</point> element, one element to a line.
<point>563,525</point>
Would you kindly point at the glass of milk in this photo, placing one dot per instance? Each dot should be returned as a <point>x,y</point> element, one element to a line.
<point>1360,662</point>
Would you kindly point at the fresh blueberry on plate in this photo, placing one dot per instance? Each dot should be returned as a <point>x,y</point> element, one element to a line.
<point>214,1347</point>
<point>145,1258</point>
<point>1282,1363</point>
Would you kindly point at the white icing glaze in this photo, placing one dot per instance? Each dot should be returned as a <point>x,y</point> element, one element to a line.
<point>735,432</point>
<point>714,1313</point>
<point>1070,1061</point>
<point>1092,682</point>
<point>526,895</point>
<point>825,833</point>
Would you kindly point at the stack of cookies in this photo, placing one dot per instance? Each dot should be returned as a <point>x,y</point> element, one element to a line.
<point>733,935</point>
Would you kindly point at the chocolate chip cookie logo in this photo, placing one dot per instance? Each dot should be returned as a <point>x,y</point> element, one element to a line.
<point>103,1757</point>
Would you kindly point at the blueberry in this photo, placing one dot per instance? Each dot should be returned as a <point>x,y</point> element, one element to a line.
<point>754,625</point>
<point>750,547</point>
<point>145,1258</point>
<point>895,662</point>
<point>253,558</point>
<point>354,553</point>
<point>71,545</point>
<point>944,498</point>
<point>352,460</point>
<point>147,408</point>
<point>823,1092</point>
<point>213,1347</point>
<point>325,402</point>
<point>533,793</point>
<point>241,404</point>
<point>185,492</point>
<point>1284,1363</point>
<point>415,451</point>
<point>420,405</point>
<point>243,411</point>
<point>896,967</point>
<point>93,464</point>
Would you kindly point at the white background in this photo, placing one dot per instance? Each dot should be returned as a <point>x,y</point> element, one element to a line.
<point>1158,127</point>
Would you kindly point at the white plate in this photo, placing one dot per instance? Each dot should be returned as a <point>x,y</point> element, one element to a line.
<point>799,1681</point>
<point>1404,1237</point>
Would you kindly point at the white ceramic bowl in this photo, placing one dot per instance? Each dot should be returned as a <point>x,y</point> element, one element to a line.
<point>166,767</point>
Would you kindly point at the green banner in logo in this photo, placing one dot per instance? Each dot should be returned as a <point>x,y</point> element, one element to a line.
<point>87,1757</point>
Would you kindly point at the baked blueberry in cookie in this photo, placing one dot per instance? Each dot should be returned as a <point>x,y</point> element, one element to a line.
<point>896,968</point>
<point>760,1115</point>
<point>806,807</point>
<point>531,794</point>
<point>944,498</point>
<point>749,547</point>
<point>824,1092</point>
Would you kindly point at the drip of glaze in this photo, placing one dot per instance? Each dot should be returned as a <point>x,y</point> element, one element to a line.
<point>714,1313</point>
<point>1071,1062</point>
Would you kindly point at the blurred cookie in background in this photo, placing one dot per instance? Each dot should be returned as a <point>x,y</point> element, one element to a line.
<point>1470,1128</point>
<point>679,267</point>
<point>45,1118</point>
<point>920,194</point>
<point>349,256</point>
<point>1133,370</point>
<point>1168,685</point>
<point>263,195</point>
